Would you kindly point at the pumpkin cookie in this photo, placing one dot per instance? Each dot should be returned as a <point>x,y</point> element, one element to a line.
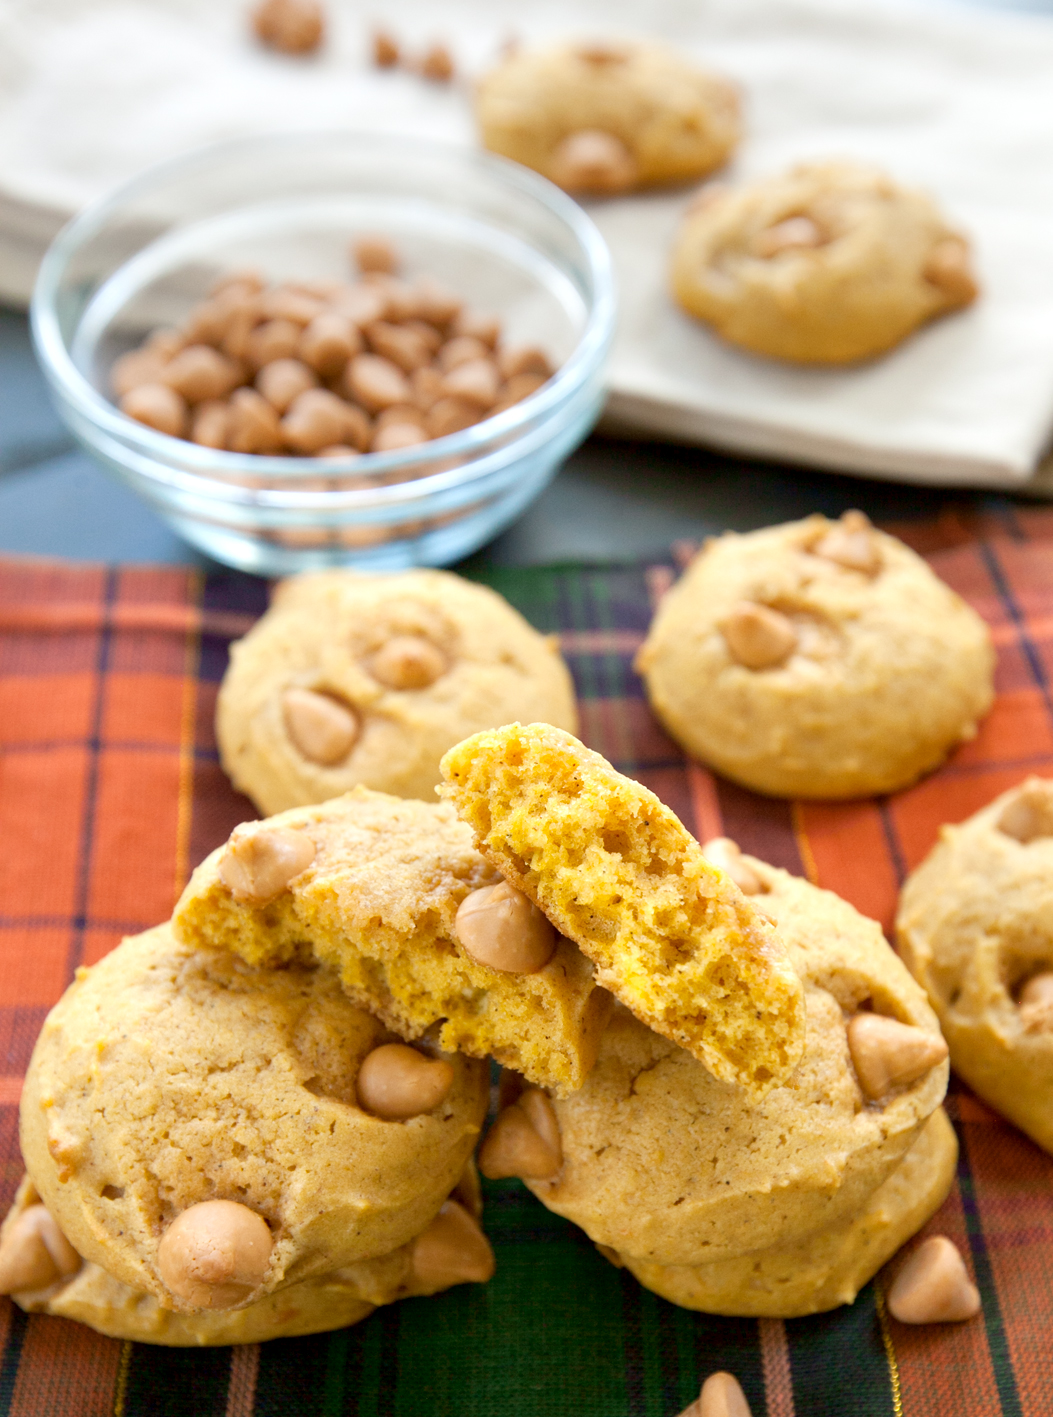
<point>666,1166</point>
<point>351,678</point>
<point>393,895</point>
<point>829,264</point>
<point>604,118</point>
<point>975,927</point>
<point>451,1250</point>
<point>817,659</point>
<point>616,872</point>
<point>177,1094</point>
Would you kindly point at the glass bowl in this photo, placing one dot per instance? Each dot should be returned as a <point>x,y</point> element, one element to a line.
<point>502,238</point>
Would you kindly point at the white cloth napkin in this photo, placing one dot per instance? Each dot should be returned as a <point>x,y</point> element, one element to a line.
<point>957,101</point>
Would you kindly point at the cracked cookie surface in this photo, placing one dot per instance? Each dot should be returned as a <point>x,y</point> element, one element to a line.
<point>616,871</point>
<point>367,679</point>
<point>882,671</point>
<point>829,264</point>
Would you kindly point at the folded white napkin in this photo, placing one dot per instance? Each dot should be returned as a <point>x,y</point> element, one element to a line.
<point>957,101</point>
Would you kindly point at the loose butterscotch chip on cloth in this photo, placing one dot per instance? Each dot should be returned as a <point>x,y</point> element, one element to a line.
<point>857,671</point>
<point>352,678</point>
<point>171,1076</point>
<point>378,903</point>
<point>614,870</point>
<point>975,927</point>
<point>606,118</point>
<point>828,264</point>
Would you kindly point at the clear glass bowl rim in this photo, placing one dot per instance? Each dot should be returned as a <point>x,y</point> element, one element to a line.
<point>162,451</point>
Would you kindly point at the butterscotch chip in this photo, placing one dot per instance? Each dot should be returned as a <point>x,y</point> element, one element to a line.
<point>461,349</point>
<point>615,871</point>
<point>798,676</point>
<point>450,415</point>
<point>828,264</point>
<point>283,380</point>
<point>474,381</point>
<point>385,49</point>
<point>137,367</point>
<point>972,929</point>
<point>328,342</point>
<point>398,435</point>
<point>274,339</point>
<point>473,324</point>
<point>210,425</point>
<point>217,1080</point>
<point>437,64</point>
<point>379,904</point>
<point>316,419</point>
<point>158,406</point>
<point>254,425</point>
<point>518,388</point>
<point>606,117</point>
<point>376,382</point>
<point>406,347</point>
<point>527,359</point>
<point>374,253</point>
<point>293,26</point>
<point>934,1286</point>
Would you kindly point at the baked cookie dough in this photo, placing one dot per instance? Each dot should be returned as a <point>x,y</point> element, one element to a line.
<point>830,1267</point>
<point>351,678</point>
<point>375,893</point>
<point>614,870</point>
<point>168,1077</point>
<point>975,927</point>
<point>605,118</point>
<point>721,1202</point>
<point>829,264</point>
<point>452,1250</point>
<point>817,659</point>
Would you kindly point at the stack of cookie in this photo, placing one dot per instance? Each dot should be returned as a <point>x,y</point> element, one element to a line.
<point>259,1119</point>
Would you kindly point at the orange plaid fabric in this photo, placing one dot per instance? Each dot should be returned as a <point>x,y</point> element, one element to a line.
<point>111,790</point>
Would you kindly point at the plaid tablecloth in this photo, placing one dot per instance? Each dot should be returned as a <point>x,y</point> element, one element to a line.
<point>110,791</point>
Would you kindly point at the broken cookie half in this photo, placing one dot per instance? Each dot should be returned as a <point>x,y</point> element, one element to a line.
<point>615,871</point>
<point>422,930</point>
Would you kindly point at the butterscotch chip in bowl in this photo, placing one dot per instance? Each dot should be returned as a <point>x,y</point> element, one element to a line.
<point>396,900</point>
<point>828,264</point>
<point>818,659</point>
<point>369,679</point>
<point>607,118</point>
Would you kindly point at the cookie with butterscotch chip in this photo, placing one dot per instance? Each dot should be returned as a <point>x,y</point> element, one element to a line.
<point>819,659</point>
<point>828,264</point>
<point>975,927</point>
<point>355,679</point>
<point>179,1097</point>
<point>422,931</point>
<point>607,117</point>
<point>615,870</point>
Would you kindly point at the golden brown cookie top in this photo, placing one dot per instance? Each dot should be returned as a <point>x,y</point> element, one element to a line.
<point>608,116</point>
<point>372,885</point>
<point>351,678</point>
<point>614,870</point>
<point>663,1161</point>
<point>170,1078</point>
